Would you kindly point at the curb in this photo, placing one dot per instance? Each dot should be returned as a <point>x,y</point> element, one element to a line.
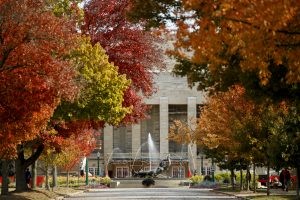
<point>68,195</point>
<point>74,193</point>
<point>230,194</point>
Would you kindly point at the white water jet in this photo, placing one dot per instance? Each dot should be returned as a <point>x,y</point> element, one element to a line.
<point>153,153</point>
<point>117,149</point>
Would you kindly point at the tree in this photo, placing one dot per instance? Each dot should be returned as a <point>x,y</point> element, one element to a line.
<point>222,43</point>
<point>31,70</point>
<point>38,73</point>
<point>65,151</point>
<point>100,100</point>
<point>223,129</point>
<point>128,47</point>
<point>247,28</point>
<point>102,88</point>
<point>35,77</point>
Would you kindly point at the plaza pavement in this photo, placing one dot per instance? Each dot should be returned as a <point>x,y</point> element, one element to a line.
<point>167,193</point>
<point>151,193</point>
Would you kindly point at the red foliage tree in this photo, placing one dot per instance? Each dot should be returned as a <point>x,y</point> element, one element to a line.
<point>34,76</point>
<point>133,50</point>
<point>72,141</point>
<point>32,80</point>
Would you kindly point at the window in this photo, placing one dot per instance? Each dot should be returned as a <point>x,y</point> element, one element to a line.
<point>122,172</point>
<point>177,112</point>
<point>122,140</point>
<point>147,168</point>
<point>178,172</point>
<point>92,170</point>
<point>208,170</point>
<point>96,172</point>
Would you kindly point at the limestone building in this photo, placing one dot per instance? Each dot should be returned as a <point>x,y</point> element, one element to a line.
<point>125,149</point>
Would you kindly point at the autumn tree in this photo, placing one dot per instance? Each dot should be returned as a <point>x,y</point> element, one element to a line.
<point>102,88</point>
<point>100,100</point>
<point>221,129</point>
<point>222,43</point>
<point>34,75</point>
<point>130,48</point>
<point>259,32</point>
<point>65,152</point>
<point>39,72</point>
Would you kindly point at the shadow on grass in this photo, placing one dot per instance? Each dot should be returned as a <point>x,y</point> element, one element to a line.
<point>14,197</point>
<point>28,195</point>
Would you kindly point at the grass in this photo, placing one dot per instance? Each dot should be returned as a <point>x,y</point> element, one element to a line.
<point>39,194</point>
<point>276,194</point>
<point>277,197</point>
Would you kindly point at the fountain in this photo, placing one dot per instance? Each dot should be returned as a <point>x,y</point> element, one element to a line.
<point>153,153</point>
<point>153,156</point>
<point>109,156</point>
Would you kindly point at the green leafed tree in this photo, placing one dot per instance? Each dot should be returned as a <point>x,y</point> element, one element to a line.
<point>102,88</point>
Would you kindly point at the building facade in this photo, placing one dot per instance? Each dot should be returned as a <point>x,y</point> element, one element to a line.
<point>126,149</point>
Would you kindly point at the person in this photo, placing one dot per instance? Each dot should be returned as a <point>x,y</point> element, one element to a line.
<point>248,179</point>
<point>276,183</point>
<point>285,178</point>
<point>27,177</point>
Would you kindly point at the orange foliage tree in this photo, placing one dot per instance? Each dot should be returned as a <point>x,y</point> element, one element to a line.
<point>213,31</point>
<point>226,130</point>
<point>34,75</point>
<point>67,145</point>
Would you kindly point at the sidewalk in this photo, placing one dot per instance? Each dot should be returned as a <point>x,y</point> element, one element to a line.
<point>246,194</point>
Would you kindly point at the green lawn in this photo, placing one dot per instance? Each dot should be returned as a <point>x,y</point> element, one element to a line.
<point>281,197</point>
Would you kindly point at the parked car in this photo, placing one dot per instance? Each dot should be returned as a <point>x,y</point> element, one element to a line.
<point>274,180</point>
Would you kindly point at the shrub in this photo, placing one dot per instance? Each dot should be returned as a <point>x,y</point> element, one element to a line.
<point>105,180</point>
<point>222,177</point>
<point>196,179</point>
<point>148,181</point>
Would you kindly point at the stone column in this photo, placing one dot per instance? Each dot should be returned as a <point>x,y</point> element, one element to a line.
<point>164,126</point>
<point>108,145</point>
<point>136,141</point>
<point>192,148</point>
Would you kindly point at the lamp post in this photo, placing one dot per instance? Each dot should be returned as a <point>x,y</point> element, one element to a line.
<point>98,163</point>
<point>87,172</point>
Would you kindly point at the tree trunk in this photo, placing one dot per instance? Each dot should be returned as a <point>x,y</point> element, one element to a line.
<point>241,181</point>
<point>232,179</point>
<point>248,179</point>
<point>20,176</point>
<point>68,175</point>
<point>254,179</point>
<point>268,179</point>
<point>22,164</point>
<point>298,181</point>
<point>4,171</point>
<point>34,174</point>
<point>47,178</point>
<point>54,177</point>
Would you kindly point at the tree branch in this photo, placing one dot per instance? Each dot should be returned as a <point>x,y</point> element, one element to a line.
<point>35,155</point>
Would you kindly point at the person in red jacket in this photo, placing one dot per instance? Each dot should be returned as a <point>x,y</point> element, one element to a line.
<point>285,178</point>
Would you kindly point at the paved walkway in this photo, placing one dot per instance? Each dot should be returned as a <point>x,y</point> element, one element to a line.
<point>151,193</point>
